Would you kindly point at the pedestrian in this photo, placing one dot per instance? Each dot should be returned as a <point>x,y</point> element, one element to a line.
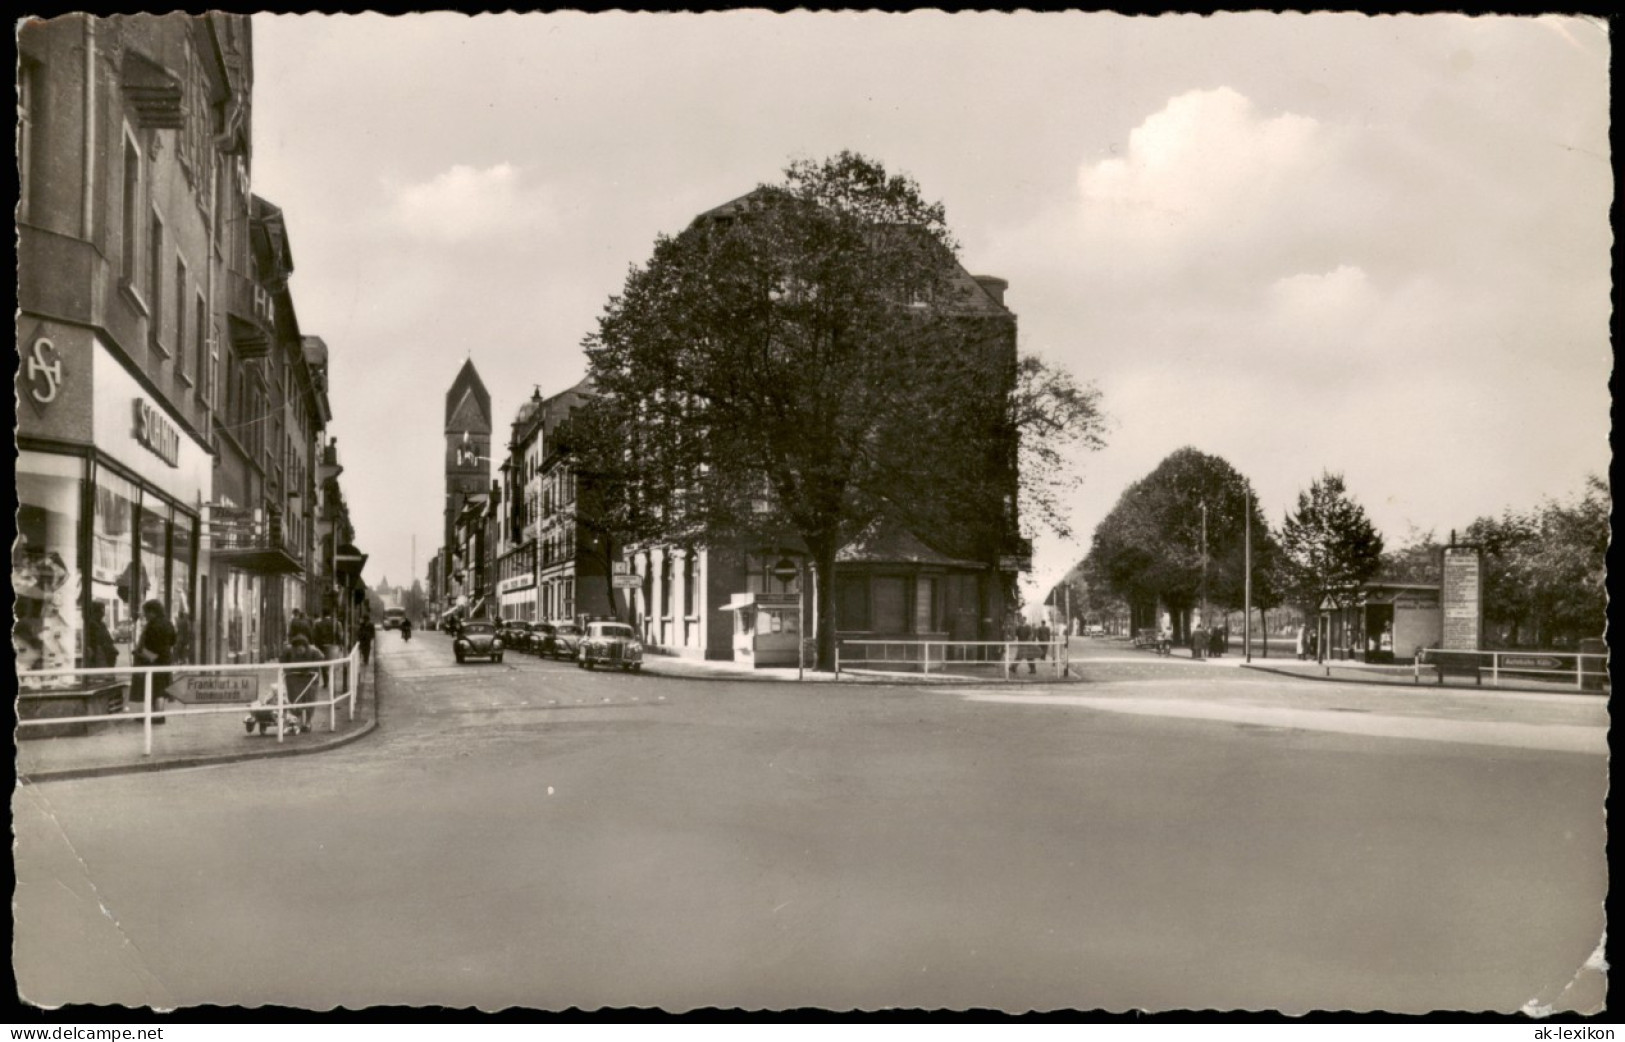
<point>1044,638</point>
<point>1198,641</point>
<point>364,636</point>
<point>1303,641</point>
<point>1024,650</point>
<point>328,635</point>
<point>302,683</point>
<point>100,650</point>
<point>1215,642</point>
<point>155,647</point>
<point>299,625</point>
<point>406,629</point>
<point>1314,645</point>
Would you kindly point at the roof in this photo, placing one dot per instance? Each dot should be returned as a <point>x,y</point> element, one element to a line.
<point>884,542</point>
<point>468,403</point>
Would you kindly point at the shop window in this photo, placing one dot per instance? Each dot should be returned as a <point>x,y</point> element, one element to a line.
<point>47,632</point>
<point>117,583</point>
<point>183,551</point>
<point>852,602</point>
<point>155,555</point>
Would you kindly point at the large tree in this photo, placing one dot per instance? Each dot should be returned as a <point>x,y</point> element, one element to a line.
<point>1330,544</point>
<point>1151,546</point>
<point>808,359</point>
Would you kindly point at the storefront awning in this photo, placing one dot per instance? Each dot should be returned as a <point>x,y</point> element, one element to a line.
<point>260,561</point>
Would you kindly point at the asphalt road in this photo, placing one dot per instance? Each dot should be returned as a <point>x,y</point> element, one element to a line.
<point>529,834</point>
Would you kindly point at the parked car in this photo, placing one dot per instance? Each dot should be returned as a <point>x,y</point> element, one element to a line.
<point>538,637</point>
<point>477,639</point>
<point>563,641</point>
<point>393,617</point>
<point>515,634</point>
<point>610,644</point>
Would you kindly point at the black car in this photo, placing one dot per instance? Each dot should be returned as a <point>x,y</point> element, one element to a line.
<point>563,641</point>
<point>477,639</point>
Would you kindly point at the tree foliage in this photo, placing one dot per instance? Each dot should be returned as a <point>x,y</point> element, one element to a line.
<point>1331,546</point>
<point>1545,570</point>
<point>803,361</point>
<point>1150,547</point>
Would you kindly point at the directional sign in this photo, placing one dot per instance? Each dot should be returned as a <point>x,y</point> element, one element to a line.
<point>204,689</point>
<point>1533,662</point>
<point>627,582</point>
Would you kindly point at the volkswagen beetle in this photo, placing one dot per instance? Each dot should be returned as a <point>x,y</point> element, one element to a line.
<point>477,639</point>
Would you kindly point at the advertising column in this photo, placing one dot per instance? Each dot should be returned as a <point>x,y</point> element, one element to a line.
<point>1462,598</point>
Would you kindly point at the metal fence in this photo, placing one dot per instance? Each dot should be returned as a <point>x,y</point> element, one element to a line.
<point>1553,667</point>
<point>88,685</point>
<point>966,658</point>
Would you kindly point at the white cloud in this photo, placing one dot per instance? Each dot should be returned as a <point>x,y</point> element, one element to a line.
<point>1208,164</point>
<point>465,204</point>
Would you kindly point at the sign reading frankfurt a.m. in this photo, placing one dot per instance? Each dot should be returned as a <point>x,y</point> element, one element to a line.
<point>240,688</point>
<point>1462,598</point>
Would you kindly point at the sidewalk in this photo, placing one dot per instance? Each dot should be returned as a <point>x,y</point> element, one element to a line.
<point>189,739</point>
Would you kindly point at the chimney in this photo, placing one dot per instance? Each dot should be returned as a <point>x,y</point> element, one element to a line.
<point>994,287</point>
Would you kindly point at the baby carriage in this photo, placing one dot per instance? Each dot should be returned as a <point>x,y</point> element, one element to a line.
<point>302,685</point>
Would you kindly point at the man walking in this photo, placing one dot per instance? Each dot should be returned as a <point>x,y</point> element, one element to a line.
<point>1045,635</point>
<point>364,637</point>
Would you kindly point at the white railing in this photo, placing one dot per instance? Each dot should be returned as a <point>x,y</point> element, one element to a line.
<point>1559,666</point>
<point>343,672</point>
<point>943,656</point>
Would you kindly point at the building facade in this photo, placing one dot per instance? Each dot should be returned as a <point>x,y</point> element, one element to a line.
<point>467,464</point>
<point>165,425</point>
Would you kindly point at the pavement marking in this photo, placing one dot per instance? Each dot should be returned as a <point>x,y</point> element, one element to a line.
<point>1552,737</point>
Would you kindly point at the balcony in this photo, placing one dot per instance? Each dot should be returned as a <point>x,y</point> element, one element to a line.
<point>248,311</point>
<point>251,541</point>
<point>154,93</point>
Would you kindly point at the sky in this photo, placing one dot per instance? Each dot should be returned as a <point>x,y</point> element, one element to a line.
<point>1305,243</point>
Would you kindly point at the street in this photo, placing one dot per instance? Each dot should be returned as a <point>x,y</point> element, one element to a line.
<point>530,834</point>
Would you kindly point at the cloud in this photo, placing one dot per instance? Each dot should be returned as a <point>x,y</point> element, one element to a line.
<point>465,204</point>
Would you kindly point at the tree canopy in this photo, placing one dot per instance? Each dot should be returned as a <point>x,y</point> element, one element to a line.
<point>1150,547</point>
<point>806,359</point>
<point>1546,569</point>
<point>1330,544</point>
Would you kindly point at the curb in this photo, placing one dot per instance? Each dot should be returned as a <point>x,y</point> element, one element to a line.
<point>900,680</point>
<point>69,773</point>
<point>1478,689</point>
<point>148,766</point>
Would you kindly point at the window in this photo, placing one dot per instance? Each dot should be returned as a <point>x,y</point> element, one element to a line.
<point>208,386</point>
<point>128,255</point>
<point>888,612</point>
<point>851,602</point>
<point>181,361</point>
<point>155,284</point>
<point>45,563</point>
<point>200,346</point>
<point>26,102</point>
<point>689,583</point>
<point>927,617</point>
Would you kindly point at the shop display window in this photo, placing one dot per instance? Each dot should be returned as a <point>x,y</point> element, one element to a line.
<point>118,583</point>
<point>47,632</point>
<point>154,556</point>
<point>181,608</point>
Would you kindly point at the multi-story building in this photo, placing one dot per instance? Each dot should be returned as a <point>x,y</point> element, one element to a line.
<point>167,416</point>
<point>133,158</point>
<point>517,529</point>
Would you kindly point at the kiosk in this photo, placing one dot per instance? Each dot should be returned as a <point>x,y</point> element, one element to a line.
<point>767,628</point>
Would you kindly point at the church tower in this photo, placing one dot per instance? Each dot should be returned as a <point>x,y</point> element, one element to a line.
<point>468,442</point>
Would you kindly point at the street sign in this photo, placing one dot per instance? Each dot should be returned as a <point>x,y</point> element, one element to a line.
<point>622,567</point>
<point>1533,662</point>
<point>1015,563</point>
<point>203,689</point>
<point>785,571</point>
<point>627,582</point>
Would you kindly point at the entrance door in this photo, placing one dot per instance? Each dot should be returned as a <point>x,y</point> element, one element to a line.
<point>1379,632</point>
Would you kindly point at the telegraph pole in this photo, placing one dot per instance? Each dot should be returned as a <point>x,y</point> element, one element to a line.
<point>1204,563</point>
<point>1247,584</point>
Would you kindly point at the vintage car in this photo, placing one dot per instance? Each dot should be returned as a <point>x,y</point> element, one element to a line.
<point>562,641</point>
<point>477,639</point>
<point>513,632</point>
<point>610,644</point>
<point>538,638</point>
<point>393,617</point>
